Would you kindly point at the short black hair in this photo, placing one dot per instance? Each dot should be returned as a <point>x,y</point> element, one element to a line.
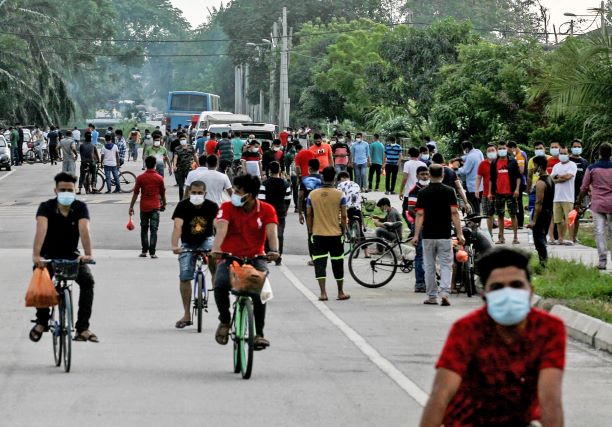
<point>150,162</point>
<point>274,167</point>
<point>223,134</point>
<point>436,171</point>
<point>431,148</point>
<point>198,183</point>
<point>314,164</point>
<point>65,177</point>
<point>119,132</point>
<point>383,202</point>
<point>422,169</point>
<point>605,150</point>
<point>277,142</point>
<point>512,144</point>
<point>316,136</point>
<point>391,139</point>
<point>212,161</point>
<point>329,174</point>
<point>202,160</point>
<point>502,143</point>
<point>467,145</point>
<point>343,174</point>
<point>413,152</point>
<point>108,137</point>
<point>437,158</point>
<point>87,136</point>
<point>501,258</point>
<point>423,150</point>
<point>540,161</point>
<point>376,136</point>
<point>577,141</point>
<point>536,143</point>
<point>248,183</point>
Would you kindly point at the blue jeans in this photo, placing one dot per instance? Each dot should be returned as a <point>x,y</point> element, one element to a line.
<point>360,175</point>
<point>340,168</point>
<point>107,173</point>
<point>187,259</point>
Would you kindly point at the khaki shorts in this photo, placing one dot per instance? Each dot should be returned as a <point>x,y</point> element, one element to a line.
<point>561,210</point>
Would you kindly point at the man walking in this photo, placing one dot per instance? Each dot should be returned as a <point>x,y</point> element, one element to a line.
<point>392,162</point>
<point>598,178</point>
<point>543,208</point>
<point>326,221</point>
<point>563,175</point>
<point>360,160</point>
<point>15,147</point>
<point>69,153</point>
<point>225,151</point>
<point>483,177</point>
<point>377,153</point>
<point>436,209</point>
<point>322,151</point>
<point>410,217</point>
<point>341,153</point>
<point>110,161</point>
<point>161,156</point>
<point>89,159</point>
<point>504,188</point>
<point>410,174</point>
<point>277,192</point>
<point>152,202</point>
<point>216,182</point>
<point>473,157</point>
<point>184,157</point>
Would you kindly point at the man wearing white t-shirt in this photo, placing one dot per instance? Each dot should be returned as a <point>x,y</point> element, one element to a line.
<point>563,175</point>
<point>410,172</point>
<point>216,182</point>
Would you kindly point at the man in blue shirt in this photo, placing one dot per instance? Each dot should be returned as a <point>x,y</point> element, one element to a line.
<point>473,157</point>
<point>94,133</point>
<point>360,156</point>
<point>393,158</point>
<point>377,153</point>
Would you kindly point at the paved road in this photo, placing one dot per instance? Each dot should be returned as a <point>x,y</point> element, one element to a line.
<point>364,362</point>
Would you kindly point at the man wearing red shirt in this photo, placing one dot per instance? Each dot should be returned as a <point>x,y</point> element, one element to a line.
<point>501,364</point>
<point>554,156</point>
<point>301,161</point>
<point>322,151</point>
<point>284,137</point>
<point>211,144</point>
<point>483,175</point>
<point>504,187</point>
<point>243,225</point>
<point>152,201</point>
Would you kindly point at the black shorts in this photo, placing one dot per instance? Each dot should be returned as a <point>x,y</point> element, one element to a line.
<point>505,200</point>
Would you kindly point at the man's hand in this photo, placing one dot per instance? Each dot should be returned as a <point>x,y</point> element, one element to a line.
<point>177,250</point>
<point>516,194</point>
<point>85,258</point>
<point>491,197</point>
<point>301,218</point>
<point>531,224</point>
<point>273,255</point>
<point>477,194</point>
<point>415,240</point>
<point>162,207</point>
<point>468,208</point>
<point>461,240</point>
<point>38,261</point>
<point>131,211</point>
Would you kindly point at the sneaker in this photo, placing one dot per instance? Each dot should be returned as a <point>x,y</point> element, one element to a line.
<point>419,288</point>
<point>386,193</point>
<point>602,265</point>
<point>153,256</point>
<point>310,262</point>
<point>143,255</point>
<point>431,301</point>
<point>445,302</point>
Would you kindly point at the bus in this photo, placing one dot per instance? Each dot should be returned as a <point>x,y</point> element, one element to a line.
<point>183,105</point>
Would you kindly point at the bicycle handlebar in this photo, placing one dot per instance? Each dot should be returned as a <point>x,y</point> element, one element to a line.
<point>69,261</point>
<point>241,260</point>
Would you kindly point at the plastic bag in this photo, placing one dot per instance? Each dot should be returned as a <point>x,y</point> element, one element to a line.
<point>130,224</point>
<point>266,292</point>
<point>571,217</point>
<point>507,223</point>
<point>246,278</point>
<point>41,292</point>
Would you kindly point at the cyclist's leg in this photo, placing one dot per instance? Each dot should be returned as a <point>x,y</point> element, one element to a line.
<point>222,289</point>
<point>186,269</point>
<point>85,281</point>
<point>259,308</point>
<point>145,219</point>
<point>336,256</point>
<point>93,176</point>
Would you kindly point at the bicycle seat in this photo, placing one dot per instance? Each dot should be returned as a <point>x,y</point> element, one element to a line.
<point>392,226</point>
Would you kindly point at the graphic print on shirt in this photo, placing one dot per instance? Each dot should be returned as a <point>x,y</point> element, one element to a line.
<point>198,225</point>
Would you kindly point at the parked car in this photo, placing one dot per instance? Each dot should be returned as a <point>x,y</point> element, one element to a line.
<point>5,154</point>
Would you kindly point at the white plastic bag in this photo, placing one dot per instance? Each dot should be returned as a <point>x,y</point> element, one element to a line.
<point>266,292</point>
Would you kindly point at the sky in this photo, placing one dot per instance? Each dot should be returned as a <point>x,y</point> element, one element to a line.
<point>195,11</point>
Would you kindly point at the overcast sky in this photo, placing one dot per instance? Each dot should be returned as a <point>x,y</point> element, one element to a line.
<point>196,12</point>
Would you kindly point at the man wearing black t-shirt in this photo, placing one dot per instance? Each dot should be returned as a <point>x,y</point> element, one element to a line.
<point>436,209</point>
<point>193,224</point>
<point>277,191</point>
<point>60,223</point>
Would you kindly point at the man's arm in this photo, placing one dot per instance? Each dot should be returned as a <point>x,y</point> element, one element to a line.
<point>549,396</point>
<point>330,157</point>
<point>540,187</point>
<point>221,227</point>
<point>42,223</point>
<point>446,384</point>
<point>134,198</point>
<point>343,218</point>
<point>461,191</point>
<point>418,226</point>
<point>85,237</point>
<point>457,224</point>
<point>404,181</point>
<point>272,236</point>
<point>478,181</point>
<point>301,206</point>
<point>176,234</point>
<point>309,219</point>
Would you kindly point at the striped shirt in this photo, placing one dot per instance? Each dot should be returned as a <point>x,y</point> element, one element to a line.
<point>392,152</point>
<point>277,192</point>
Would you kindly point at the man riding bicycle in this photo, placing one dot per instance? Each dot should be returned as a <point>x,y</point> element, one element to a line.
<point>242,227</point>
<point>60,223</point>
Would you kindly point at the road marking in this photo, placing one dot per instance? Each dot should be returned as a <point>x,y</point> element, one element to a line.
<point>370,352</point>
<point>8,174</point>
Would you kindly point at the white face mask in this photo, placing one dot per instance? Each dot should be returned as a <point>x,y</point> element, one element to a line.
<point>424,182</point>
<point>540,152</point>
<point>502,153</point>
<point>554,151</point>
<point>254,149</point>
<point>492,155</point>
<point>276,148</point>
<point>196,199</point>
<point>183,142</point>
<point>576,151</point>
<point>156,143</point>
<point>564,158</point>
<point>425,156</point>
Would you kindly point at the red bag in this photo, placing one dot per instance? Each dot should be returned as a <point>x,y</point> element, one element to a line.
<point>41,292</point>
<point>130,224</point>
<point>507,223</point>
<point>571,217</point>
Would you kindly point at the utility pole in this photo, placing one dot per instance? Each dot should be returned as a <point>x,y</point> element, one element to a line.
<point>260,108</point>
<point>272,107</point>
<point>245,93</point>
<point>237,89</point>
<point>603,19</point>
<point>284,106</point>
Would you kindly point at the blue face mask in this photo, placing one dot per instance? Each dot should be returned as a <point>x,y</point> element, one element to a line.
<point>237,200</point>
<point>65,198</point>
<point>508,306</point>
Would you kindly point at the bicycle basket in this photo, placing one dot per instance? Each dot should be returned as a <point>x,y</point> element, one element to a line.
<point>246,278</point>
<point>68,270</point>
<point>369,206</point>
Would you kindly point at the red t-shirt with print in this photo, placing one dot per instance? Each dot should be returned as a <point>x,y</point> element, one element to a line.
<point>503,177</point>
<point>484,170</point>
<point>499,381</point>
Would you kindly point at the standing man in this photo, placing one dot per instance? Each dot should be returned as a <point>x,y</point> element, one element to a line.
<point>360,160</point>
<point>392,162</point>
<point>53,138</point>
<point>225,151</point>
<point>69,153</point>
<point>543,208</point>
<point>94,133</point>
<point>326,222</point>
<point>410,174</point>
<point>410,217</point>
<point>341,153</point>
<point>76,135</point>
<point>20,140</point>
<point>302,158</point>
<point>152,202</point>
<point>148,142</point>
<point>211,144</point>
<point>111,162</point>
<point>184,156</point>
<point>473,158</point>
<point>532,177</point>
<point>521,159</point>
<point>563,175</point>
<point>193,224</point>
<point>121,147</point>
<point>161,156</point>
<point>309,183</point>
<point>277,192</point>
<point>322,152</point>
<point>451,178</point>
<point>504,188</point>
<point>377,154</point>
<point>251,160</point>
<point>242,226</point>
<point>216,182</point>
<point>60,223</point>
<point>598,178</point>
<point>238,148</point>
<point>555,149</point>
<point>15,147</point>
<point>483,178</point>
<point>511,354</point>
<point>436,209</point>
<point>581,167</point>
<point>89,160</point>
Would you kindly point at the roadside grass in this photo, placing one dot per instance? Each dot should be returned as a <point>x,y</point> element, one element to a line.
<point>586,235</point>
<point>580,287</point>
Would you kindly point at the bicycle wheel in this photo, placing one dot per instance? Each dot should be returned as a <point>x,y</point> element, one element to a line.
<point>376,271</point>
<point>354,237</point>
<point>471,275</point>
<point>100,182</point>
<point>66,325</point>
<point>127,181</point>
<point>55,330</point>
<point>247,339</point>
<point>45,157</point>
<point>199,299</point>
<point>236,334</point>
<point>465,279</point>
<point>30,157</point>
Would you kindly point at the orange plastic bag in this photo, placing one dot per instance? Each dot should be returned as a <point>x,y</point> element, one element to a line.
<point>130,224</point>
<point>571,217</point>
<point>41,292</point>
<point>507,223</point>
<point>246,278</point>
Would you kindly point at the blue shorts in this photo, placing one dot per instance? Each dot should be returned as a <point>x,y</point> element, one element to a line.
<point>187,259</point>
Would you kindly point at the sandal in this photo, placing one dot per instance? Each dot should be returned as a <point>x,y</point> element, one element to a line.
<point>182,323</point>
<point>86,336</point>
<point>35,335</point>
<point>222,334</point>
<point>343,297</point>
<point>501,242</point>
<point>323,298</point>
<point>516,242</point>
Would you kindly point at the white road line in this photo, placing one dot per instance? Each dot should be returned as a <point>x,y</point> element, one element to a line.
<point>375,357</point>
<point>8,174</point>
